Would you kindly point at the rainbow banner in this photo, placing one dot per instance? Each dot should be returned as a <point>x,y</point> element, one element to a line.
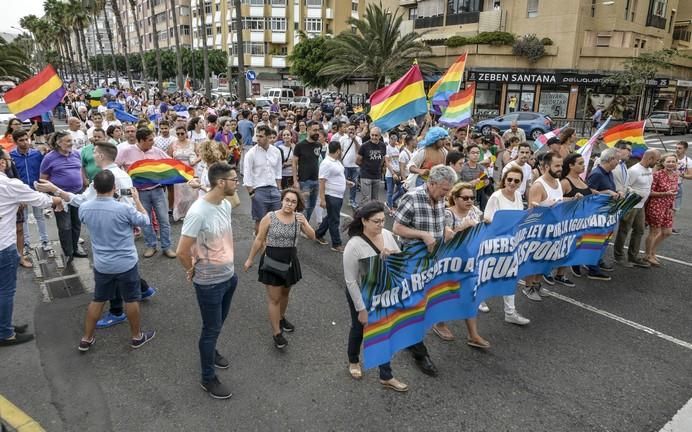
<point>400,101</point>
<point>146,173</point>
<point>407,293</point>
<point>441,92</point>
<point>37,95</point>
<point>460,108</point>
<point>632,132</point>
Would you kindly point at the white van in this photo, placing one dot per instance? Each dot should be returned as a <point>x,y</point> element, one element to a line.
<point>284,95</point>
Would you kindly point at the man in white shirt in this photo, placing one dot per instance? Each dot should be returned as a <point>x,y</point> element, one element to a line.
<point>79,138</point>
<point>392,176</point>
<point>350,145</point>
<point>521,162</point>
<point>332,188</point>
<point>620,172</point>
<point>639,181</point>
<point>97,123</point>
<point>164,139</point>
<point>13,193</point>
<point>514,131</point>
<point>685,172</point>
<point>262,175</point>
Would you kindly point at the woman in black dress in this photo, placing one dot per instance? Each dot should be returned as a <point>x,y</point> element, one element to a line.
<point>279,267</point>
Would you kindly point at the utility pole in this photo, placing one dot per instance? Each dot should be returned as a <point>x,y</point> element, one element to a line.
<point>242,93</point>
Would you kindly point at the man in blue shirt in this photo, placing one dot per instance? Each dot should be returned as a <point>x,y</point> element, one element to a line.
<point>246,128</point>
<point>28,163</point>
<point>111,226</point>
<point>601,181</point>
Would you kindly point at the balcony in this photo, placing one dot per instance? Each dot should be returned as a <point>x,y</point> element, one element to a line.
<point>257,60</point>
<point>681,34</point>
<point>427,22</point>
<point>257,36</point>
<point>463,18</point>
<point>329,13</point>
<point>278,61</point>
<point>278,37</point>
<point>656,21</point>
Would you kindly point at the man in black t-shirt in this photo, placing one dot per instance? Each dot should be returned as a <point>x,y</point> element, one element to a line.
<point>306,167</point>
<point>370,158</point>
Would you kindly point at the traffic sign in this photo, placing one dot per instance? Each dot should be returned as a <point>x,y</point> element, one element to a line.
<point>251,75</point>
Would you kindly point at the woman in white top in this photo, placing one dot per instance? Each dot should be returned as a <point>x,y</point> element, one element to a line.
<point>183,150</point>
<point>367,238</point>
<point>507,197</point>
<point>197,134</point>
<point>460,215</point>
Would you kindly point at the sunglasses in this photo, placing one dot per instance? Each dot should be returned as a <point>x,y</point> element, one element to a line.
<point>464,197</point>
<point>180,133</point>
<point>513,180</point>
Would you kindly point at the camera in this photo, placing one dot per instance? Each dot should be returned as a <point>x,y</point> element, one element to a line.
<point>125,192</point>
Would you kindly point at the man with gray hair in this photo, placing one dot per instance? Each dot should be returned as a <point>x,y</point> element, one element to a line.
<point>421,217</point>
<point>370,158</point>
<point>601,181</point>
<point>514,131</point>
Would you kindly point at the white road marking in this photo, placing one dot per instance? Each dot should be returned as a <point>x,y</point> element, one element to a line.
<point>622,320</point>
<point>682,421</point>
<point>663,257</point>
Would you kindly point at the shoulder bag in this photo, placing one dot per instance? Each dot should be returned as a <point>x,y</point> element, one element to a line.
<point>276,267</point>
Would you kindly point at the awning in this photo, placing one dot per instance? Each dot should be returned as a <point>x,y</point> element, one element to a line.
<point>269,76</point>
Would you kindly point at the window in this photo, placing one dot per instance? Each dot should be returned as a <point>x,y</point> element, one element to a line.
<point>659,8</point>
<point>354,7</point>
<point>184,11</point>
<point>553,101</point>
<point>637,42</point>
<point>532,8</point>
<point>313,3</point>
<point>313,25</point>
<point>278,2</point>
<point>207,8</point>
<point>413,14</point>
<point>283,50</point>
<point>218,30</point>
<point>208,31</point>
<point>277,24</point>
<point>253,23</point>
<point>603,41</point>
<point>461,6</point>
<point>252,48</point>
<point>643,44</point>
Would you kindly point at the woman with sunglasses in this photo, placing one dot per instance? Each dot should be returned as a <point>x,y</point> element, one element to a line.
<point>183,149</point>
<point>508,197</point>
<point>460,215</point>
<point>368,238</point>
<point>6,141</point>
<point>278,236</point>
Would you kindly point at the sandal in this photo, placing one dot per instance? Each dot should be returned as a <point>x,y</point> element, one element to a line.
<point>395,385</point>
<point>355,370</point>
<point>653,261</point>
<point>441,330</point>
<point>482,344</point>
<point>24,262</point>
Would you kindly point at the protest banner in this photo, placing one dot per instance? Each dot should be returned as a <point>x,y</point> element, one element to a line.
<point>406,293</point>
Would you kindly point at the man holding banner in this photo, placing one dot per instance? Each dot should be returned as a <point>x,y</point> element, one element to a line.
<point>421,217</point>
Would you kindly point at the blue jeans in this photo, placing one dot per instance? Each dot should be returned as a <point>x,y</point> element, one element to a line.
<point>352,174</point>
<point>332,220</point>
<point>678,198</point>
<point>311,188</point>
<point>393,190</point>
<point>40,222</point>
<point>9,261</point>
<point>156,200</point>
<point>214,302</point>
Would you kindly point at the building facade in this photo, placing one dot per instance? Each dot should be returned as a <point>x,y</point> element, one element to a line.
<point>270,30</point>
<point>589,39</point>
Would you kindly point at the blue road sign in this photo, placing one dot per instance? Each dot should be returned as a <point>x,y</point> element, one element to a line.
<point>251,75</point>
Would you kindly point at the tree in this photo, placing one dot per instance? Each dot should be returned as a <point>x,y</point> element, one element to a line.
<point>638,71</point>
<point>58,22</point>
<point>79,19</point>
<point>123,39</point>
<point>309,56</point>
<point>140,42</point>
<point>178,54</point>
<point>14,63</point>
<point>377,51</point>
<point>157,51</point>
<point>109,34</point>
<point>95,8</point>
<point>205,49</point>
<point>242,93</point>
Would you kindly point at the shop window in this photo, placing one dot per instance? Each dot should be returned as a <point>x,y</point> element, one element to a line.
<point>487,100</point>
<point>554,103</point>
<point>523,97</point>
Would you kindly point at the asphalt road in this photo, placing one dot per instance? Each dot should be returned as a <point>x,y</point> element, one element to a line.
<point>571,369</point>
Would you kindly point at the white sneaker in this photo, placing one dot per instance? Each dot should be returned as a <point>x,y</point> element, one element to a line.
<point>483,307</point>
<point>517,319</point>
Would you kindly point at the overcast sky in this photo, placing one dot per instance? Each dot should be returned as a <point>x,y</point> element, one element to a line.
<point>13,10</point>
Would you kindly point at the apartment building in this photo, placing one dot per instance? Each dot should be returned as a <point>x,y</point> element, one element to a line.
<point>270,30</point>
<point>590,39</point>
<point>163,16</point>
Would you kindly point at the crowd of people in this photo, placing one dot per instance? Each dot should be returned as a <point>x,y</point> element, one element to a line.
<point>298,167</point>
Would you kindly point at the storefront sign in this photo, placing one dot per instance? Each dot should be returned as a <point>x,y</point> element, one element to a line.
<point>557,78</point>
<point>684,83</point>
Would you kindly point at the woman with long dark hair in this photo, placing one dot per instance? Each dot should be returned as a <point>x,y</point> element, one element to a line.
<point>368,238</point>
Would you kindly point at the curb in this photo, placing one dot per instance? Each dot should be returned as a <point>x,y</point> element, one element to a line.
<point>14,419</point>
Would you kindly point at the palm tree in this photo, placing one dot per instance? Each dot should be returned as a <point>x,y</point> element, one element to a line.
<point>205,50</point>
<point>79,19</point>
<point>57,17</point>
<point>123,39</point>
<point>109,33</point>
<point>140,41</point>
<point>242,94</point>
<point>159,73</point>
<point>31,23</point>
<point>376,51</point>
<point>95,8</point>
<point>14,64</point>
<point>178,53</point>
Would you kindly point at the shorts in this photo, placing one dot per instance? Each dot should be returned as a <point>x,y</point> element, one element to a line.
<point>126,284</point>
<point>264,200</point>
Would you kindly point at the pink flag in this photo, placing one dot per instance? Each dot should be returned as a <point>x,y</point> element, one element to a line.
<point>587,148</point>
<point>543,139</point>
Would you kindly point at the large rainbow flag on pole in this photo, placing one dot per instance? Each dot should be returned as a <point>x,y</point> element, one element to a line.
<point>148,172</point>
<point>450,83</point>
<point>632,132</point>
<point>460,108</point>
<point>400,101</point>
<point>37,95</point>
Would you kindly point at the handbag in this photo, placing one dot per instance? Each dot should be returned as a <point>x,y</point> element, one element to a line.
<point>276,267</point>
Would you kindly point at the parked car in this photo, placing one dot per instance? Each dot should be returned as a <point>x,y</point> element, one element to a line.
<point>301,102</point>
<point>687,116</point>
<point>284,95</point>
<point>262,102</point>
<point>534,124</point>
<point>667,122</point>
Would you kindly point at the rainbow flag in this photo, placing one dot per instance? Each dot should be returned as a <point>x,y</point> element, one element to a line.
<point>400,101</point>
<point>460,108</point>
<point>450,83</point>
<point>37,95</point>
<point>149,172</point>
<point>632,132</point>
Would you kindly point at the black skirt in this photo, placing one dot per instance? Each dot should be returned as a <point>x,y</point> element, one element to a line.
<point>285,255</point>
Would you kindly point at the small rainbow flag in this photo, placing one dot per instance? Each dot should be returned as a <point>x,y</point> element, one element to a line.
<point>400,101</point>
<point>593,241</point>
<point>149,172</point>
<point>460,108</point>
<point>37,95</point>
<point>450,83</point>
<point>632,132</point>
